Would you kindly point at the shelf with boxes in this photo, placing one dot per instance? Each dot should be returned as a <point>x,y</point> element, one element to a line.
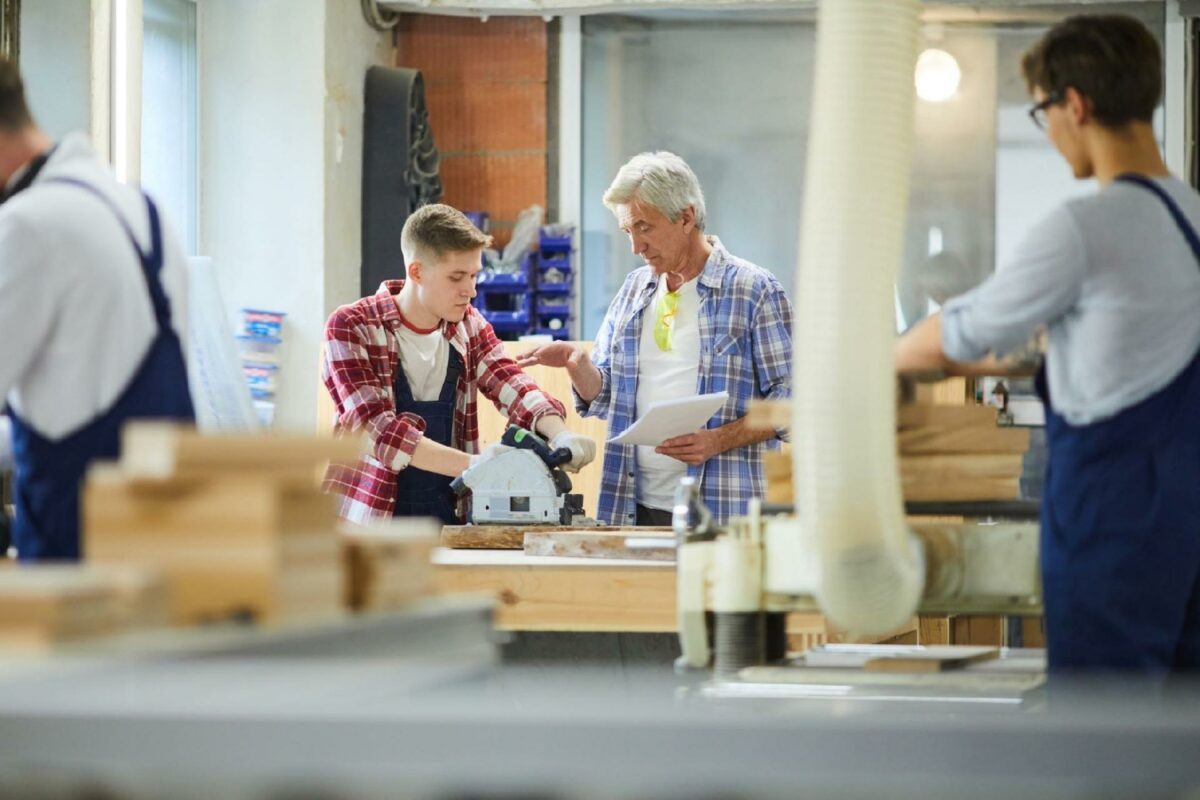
<point>260,344</point>
<point>506,298</point>
<point>555,291</point>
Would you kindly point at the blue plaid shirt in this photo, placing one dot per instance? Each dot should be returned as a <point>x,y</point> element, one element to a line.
<point>745,349</point>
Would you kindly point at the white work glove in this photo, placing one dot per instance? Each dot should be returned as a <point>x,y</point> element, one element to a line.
<point>489,452</point>
<point>583,449</point>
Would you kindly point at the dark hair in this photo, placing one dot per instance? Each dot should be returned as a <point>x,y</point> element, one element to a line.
<point>14,112</point>
<point>1111,59</point>
<point>433,231</point>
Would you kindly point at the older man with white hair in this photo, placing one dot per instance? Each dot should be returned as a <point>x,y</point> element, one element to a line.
<point>694,319</point>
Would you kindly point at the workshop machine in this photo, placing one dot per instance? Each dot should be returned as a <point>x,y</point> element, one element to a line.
<point>524,485</point>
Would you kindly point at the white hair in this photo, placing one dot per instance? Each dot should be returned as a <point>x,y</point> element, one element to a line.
<point>661,179</point>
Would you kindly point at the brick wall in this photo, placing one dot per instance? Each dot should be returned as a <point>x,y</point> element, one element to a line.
<point>485,84</point>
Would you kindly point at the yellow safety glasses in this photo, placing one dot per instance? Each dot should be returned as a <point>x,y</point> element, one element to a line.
<point>664,323</point>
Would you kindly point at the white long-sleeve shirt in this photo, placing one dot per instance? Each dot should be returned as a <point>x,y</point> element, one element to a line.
<point>76,319</point>
<point>1118,288</point>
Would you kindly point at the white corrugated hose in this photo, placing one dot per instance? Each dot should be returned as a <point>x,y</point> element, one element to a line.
<point>871,568</point>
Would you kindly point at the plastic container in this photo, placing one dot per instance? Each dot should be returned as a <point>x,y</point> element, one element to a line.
<point>556,304</point>
<point>259,349</point>
<point>556,238</point>
<point>257,322</point>
<point>491,281</point>
<point>261,378</point>
<point>559,261</point>
<point>508,312</point>
<point>555,279</point>
<point>265,409</point>
<point>557,334</point>
<point>479,219</point>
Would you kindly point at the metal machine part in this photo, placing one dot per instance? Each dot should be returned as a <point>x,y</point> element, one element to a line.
<point>523,485</point>
<point>729,618</point>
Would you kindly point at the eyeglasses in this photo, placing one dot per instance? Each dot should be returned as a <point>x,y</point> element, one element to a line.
<point>1038,112</point>
<point>664,323</point>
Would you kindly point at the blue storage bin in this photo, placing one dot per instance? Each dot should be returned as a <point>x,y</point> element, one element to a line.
<point>554,304</point>
<point>509,313</point>
<point>478,218</point>
<point>549,243</point>
<point>489,281</point>
<point>560,261</point>
<point>561,334</point>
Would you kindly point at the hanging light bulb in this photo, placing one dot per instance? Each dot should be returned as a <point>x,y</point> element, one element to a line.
<point>937,76</point>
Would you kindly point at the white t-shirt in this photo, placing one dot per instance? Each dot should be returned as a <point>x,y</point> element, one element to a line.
<point>424,357</point>
<point>666,376</point>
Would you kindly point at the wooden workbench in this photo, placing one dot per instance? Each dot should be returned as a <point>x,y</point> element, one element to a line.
<point>587,595</point>
<point>539,593</point>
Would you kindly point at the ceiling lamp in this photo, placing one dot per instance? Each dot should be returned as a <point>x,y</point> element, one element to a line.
<point>937,76</point>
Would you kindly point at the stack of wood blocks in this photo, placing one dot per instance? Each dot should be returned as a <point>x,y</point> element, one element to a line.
<point>947,454</point>
<point>42,606</point>
<point>237,524</point>
<point>387,564</point>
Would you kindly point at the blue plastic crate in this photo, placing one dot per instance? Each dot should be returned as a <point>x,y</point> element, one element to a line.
<point>554,288</point>
<point>554,244</point>
<point>554,261</point>
<point>508,321</point>
<point>512,313</point>
<point>561,334</point>
<point>478,218</point>
<point>554,304</point>
<point>489,281</point>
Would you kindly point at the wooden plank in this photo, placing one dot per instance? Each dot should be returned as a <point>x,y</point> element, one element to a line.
<point>576,544</point>
<point>949,478</point>
<point>946,392</point>
<point>764,414</point>
<point>226,545</point>
<point>164,450</point>
<point>586,596</point>
<point>512,537</point>
<point>979,630</point>
<point>936,659</point>
<point>945,478</point>
<point>556,383</point>
<point>923,430</point>
<point>603,598</point>
<point>1033,632</point>
<point>933,630</point>
<point>387,565</point>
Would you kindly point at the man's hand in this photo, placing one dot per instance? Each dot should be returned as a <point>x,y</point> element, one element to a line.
<point>583,449</point>
<point>557,354</point>
<point>694,448</point>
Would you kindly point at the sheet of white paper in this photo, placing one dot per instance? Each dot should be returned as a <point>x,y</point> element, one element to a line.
<point>669,418</point>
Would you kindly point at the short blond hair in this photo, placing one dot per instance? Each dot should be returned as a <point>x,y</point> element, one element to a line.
<point>434,230</point>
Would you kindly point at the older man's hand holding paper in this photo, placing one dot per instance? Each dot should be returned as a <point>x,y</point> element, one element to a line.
<point>670,419</point>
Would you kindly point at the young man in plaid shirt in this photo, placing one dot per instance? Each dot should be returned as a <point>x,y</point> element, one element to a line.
<point>694,319</point>
<point>404,365</point>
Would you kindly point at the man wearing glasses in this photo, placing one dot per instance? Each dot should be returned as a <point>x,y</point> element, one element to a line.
<point>695,319</point>
<point>1114,278</point>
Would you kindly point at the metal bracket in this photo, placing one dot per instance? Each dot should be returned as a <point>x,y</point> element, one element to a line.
<point>377,18</point>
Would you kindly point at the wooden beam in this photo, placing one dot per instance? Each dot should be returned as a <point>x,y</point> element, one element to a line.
<point>512,537</point>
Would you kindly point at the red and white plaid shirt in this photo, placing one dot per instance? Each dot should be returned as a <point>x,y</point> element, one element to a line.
<point>361,357</point>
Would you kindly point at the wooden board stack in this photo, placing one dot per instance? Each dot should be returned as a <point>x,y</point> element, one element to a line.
<point>42,606</point>
<point>387,565</point>
<point>947,454</point>
<point>237,523</point>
